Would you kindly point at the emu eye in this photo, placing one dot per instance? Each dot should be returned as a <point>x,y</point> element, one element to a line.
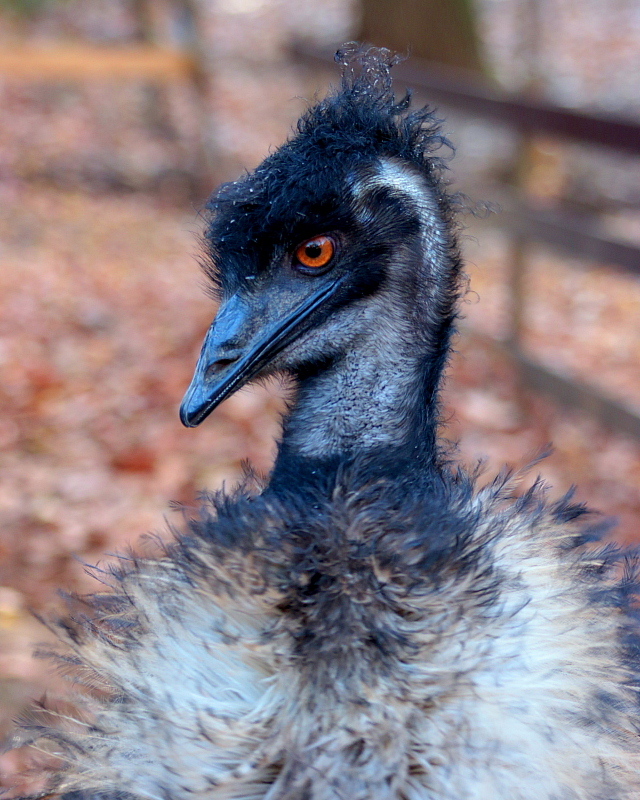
<point>315,253</point>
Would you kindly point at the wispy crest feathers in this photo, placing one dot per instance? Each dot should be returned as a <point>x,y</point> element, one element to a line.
<point>366,106</point>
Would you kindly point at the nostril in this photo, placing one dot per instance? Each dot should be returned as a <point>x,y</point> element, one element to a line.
<point>213,369</point>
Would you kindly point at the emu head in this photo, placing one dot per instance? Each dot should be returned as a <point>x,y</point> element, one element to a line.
<point>338,243</point>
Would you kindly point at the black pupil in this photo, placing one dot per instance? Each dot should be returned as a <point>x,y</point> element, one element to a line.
<point>313,250</point>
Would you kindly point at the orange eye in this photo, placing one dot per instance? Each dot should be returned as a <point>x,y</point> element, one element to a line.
<point>316,252</point>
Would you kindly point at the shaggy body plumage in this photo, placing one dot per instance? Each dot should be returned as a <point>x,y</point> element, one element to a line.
<point>372,626</point>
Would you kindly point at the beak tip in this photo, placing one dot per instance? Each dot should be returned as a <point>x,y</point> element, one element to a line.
<point>187,416</point>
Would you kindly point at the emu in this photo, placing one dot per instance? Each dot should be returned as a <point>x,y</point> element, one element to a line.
<point>373,624</point>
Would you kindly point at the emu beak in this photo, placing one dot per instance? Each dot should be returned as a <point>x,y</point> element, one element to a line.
<point>231,355</point>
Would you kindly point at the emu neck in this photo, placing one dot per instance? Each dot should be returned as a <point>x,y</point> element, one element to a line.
<point>382,393</point>
<point>362,403</point>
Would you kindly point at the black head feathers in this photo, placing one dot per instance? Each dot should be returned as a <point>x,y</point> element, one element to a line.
<point>302,184</point>
<point>363,118</point>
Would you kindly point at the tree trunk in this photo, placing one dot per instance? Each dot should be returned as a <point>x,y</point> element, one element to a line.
<point>443,31</point>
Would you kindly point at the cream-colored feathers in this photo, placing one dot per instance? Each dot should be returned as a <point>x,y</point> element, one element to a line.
<point>501,677</point>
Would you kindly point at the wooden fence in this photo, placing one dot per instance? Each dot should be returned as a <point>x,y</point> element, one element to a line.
<point>78,62</point>
<point>153,58</point>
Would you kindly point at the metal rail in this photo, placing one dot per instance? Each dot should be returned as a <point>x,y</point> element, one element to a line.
<point>576,235</point>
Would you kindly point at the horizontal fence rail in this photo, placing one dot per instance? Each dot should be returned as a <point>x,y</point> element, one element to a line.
<point>576,235</point>
<point>482,99</point>
<point>73,62</point>
<point>573,234</point>
<point>155,61</point>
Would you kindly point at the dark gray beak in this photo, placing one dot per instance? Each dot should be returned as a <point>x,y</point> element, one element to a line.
<point>232,354</point>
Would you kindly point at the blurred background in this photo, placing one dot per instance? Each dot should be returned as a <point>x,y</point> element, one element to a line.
<point>117,119</point>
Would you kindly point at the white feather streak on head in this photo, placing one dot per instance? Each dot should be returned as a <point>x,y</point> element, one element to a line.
<point>404,180</point>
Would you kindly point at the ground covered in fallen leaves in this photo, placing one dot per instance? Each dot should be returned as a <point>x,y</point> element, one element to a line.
<point>102,314</point>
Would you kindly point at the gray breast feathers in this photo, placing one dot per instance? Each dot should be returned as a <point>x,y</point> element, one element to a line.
<point>322,653</point>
